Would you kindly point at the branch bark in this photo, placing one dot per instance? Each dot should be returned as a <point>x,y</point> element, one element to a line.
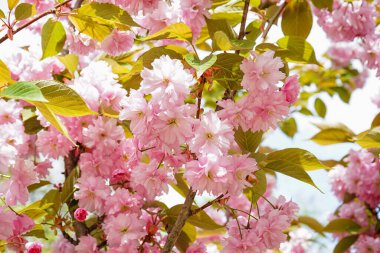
<point>273,19</point>
<point>38,17</point>
<point>180,222</point>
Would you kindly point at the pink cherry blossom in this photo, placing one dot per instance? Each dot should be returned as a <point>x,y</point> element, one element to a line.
<point>212,136</point>
<point>80,214</point>
<point>160,17</point>
<point>122,201</point>
<point>196,248</point>
<point>23,175</point>
<point>291,88</point>
<point>6,223</point>
<point>9,111</point>
<point>53,144</point>
<point>118,42</point>
<point>87,244</point>
<point>123,229</point>
<point>367,243</point>
<point>194,13</point>
<point>167,78</point>
<point>261,71</point>
<point>92,193</point>
<point>34,247</point>
<point>22,224</point>
<point>61,245</point>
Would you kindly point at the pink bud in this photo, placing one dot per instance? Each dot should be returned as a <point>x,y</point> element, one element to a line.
<point>80,214</point>
<point>33,247</point>
<point>291,88</point>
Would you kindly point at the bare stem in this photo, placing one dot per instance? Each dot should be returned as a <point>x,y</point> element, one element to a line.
<point>36,18</point>
<point>180,222</point>
<point>243,20</point>
<point>273,19</point>
<point>210,203</point>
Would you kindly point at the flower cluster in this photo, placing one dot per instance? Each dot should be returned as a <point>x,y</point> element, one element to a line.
<point>353,22</point>
<point>358,186</point>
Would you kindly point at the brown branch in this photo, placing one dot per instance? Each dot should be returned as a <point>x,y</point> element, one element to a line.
<point>273,19</point>
<point>68,237</point>
<point>180,222</point>
<point>210,203</point>
<point>38,17</point>
<point>244,20</point>
<point>77,4</point>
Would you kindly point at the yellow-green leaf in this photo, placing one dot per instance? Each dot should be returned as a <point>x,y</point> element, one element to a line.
<point>200,66</point>
<point>12,4</point>
<point>320,107</point>
<point>312,223</point>
<point>323,4</point>
<point>370,139</point>
<point>345,243</point>
<point>330,136</point>
<point>2,15</point>
<point>53,38</point>
<point>53,119</point>
<point>24,11</point>
<point>289,127</point>
<point>297,49</point>
<point>38,231</point>
<point>341,226</point>
<point>23,90</point>
<point>248,141</point>
<point>63,100</point>
<point>224,43</point>
<point>297,19</point>
<point>178,31</point>
<point>70,61</point>
<point>5,74</point>
<point>91,26</point>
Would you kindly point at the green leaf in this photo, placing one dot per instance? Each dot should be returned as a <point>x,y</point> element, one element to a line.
<point>12,4</point>
<point>258,189</point>
<point>63,100</point>
<point>38,231</point>
<point>32,125</point>
<point>228,73</point>
<point>27,91</point>
<point>53,119</point>
<point>253,30</point>
<point>297,157</point>
<point>91,26</point>
<point>294,162</point>
<point>2,15</point>
<point>36,186</point>
<point>70,61</point>
<point>5,74</point>
<point>330,136</point>
<point>200,220</point>
<point>53,38</point>
<point>34,212</point>
<point>298,50</point>
<point>53,199</point>
<point>312,223</point>
<point>224,43</point>
<point>106,12</point>
<point>200,66</point>
<point>181,186</point>
<point>297,19</point>
<point>369,139</point>
<point>323,4</point>
<point>341,226</point>
<point>376,121</point>
<point>289,127</point>
<point>68,186</point>
<point>186,237</point>
<point>255,3</point>
<point>178,31</point>
<point>219,25</point>
<point>320,107</point>
<point>345,243</point>
<point>24,11</point>
<point>248,141</point>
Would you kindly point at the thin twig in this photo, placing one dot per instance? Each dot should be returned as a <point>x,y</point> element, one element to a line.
<point>273,19</point>
<point>180,222</point>
<point>244,20</point>
<point>194,212</point>
<point>38,17</point>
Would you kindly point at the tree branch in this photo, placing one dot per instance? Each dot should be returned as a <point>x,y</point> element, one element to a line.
<point>210,203</point>
<point>244,20</point>
<point>273,19</point>
<point>38,17</point>
<point>180,222</point>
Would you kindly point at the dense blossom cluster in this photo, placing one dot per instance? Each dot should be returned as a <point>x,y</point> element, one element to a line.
<point>357,185</point>
<point>353,26</point>
<point>137,142</point>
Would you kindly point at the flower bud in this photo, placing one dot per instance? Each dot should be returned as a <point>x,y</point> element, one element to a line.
<point>33,247</point>
<point>80,214</point>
